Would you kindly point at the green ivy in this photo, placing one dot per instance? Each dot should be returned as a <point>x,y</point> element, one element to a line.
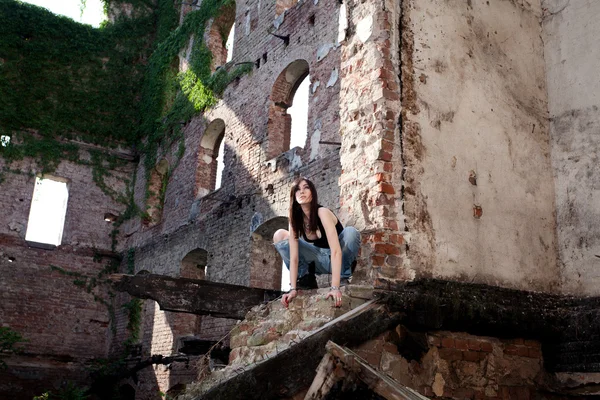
<point>8,343</point>
<point>117,85</point>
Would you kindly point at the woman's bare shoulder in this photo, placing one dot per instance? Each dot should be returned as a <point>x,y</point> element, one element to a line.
<point>327,215</point>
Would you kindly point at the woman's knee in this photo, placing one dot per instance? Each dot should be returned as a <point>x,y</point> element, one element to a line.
<point>280,235</point>
<point>351,234</point>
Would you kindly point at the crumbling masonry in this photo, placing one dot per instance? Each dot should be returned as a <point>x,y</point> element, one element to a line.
<point>461,138</point>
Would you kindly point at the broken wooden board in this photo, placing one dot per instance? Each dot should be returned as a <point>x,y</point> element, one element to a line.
<point>293,369</point>
<point>194,296</point>
<point>355,368</point>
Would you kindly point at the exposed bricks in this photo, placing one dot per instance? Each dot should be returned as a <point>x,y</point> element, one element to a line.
<point>454,348</point>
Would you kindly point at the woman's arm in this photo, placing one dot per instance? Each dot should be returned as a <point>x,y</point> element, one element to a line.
<point>329,221</point>
<point>293,243</point>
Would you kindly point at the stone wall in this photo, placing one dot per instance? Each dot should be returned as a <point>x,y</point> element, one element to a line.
<point>570,35</point>
<point>478,186</point>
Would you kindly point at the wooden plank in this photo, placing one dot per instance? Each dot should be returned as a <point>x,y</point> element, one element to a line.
<point>293,369</point>
<point>328,374</point>
<point>194,296</point>
<point>380,383</point>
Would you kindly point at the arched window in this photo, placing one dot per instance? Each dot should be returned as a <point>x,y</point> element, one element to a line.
<point>299,114</point>
<point>156,192</point>
<point>218,33</point>
<point>265,262</point>
<point>279,125</point>
<point>229,43</point>
<point>210,154</point>
<point>193,265</point>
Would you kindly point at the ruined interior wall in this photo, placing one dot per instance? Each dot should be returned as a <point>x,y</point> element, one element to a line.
<point>64,327</point>
<point>254,189</point>
<point>460,366</point>
<point>371,182</point>
<point>252,185</point>
<point>437,364</point>
<point>571,33</point>
<point>478,185</point>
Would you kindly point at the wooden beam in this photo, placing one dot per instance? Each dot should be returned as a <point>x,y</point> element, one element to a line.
<point>194,296</point>
<point>293,369</point>
<point>329,372</point>
<point>357,368</point>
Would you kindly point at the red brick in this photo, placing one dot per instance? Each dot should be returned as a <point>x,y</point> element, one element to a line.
<point>523,351</point>
<point>390,224</point>
<point>387,249</point>
<point>511,350</point>
<point>450,354</point>
<point>461,344</point>
<point>473,356</point>
<point>380,177</point>
<point>486,347</point>
<point>386,188</point>
<point>474,344</point>
<point>378,261</point>
<point>448,342</point>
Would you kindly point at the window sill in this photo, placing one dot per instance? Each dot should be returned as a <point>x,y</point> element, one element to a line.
<point>38,245</point>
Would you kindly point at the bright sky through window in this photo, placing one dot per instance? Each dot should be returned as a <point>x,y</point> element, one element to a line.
<point>48,210</point>
<point>4,140</point>
<point>220,164</point>
<point>93,12</point>
<point>229,44</point>
<point>299,113</point>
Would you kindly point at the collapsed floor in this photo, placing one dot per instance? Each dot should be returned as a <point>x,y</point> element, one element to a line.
<point>428,338</point>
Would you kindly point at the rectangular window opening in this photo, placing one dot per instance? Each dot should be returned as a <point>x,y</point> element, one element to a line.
<point>48,210</point>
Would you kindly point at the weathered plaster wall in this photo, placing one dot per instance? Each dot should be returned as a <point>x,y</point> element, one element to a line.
<point>478,185</point>
<point>571,33</point>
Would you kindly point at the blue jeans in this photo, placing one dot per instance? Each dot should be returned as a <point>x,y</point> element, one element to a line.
<point>307,253</point>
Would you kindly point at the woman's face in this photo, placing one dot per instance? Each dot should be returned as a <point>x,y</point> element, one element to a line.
<point>303,193</point>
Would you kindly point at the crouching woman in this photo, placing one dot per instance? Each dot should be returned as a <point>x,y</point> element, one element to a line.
<point>315,243</point>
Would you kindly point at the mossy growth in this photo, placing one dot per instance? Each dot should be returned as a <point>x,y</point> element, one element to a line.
<point>63,83</point>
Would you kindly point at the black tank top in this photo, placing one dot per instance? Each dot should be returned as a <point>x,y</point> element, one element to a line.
<point>322,241</point>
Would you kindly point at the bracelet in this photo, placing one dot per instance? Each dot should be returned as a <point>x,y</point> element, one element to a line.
<point>334,288</point>
<point>293,289</point>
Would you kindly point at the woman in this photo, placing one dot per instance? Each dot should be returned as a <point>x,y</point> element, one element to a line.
<point>315,237</point>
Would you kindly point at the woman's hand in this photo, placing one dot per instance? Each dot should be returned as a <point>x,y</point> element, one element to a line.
<point>286,298</point>
<point>336,295</point>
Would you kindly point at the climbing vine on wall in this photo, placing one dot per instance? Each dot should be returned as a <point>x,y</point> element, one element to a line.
<point>117,85</point>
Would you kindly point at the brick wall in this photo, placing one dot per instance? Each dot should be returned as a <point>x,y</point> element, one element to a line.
<point>65,327</point>
<point>461,366</point>
<point>256,179</point>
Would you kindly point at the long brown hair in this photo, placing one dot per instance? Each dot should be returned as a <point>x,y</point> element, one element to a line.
<point>296,215</point>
